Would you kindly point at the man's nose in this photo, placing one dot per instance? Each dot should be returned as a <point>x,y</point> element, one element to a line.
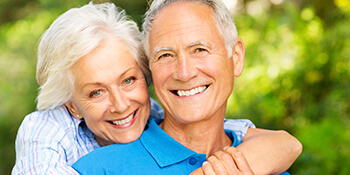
<point>185,68</point>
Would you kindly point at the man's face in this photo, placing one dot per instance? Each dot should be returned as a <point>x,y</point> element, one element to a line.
<point>192,74</point>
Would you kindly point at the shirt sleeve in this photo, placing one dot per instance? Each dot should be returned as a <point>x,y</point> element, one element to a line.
<point>156,110</point>
<point>239,126</point>
<point>40,147</point>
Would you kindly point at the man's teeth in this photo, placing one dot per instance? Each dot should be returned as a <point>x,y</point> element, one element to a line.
<point>192,91</point>
<point>122,122</point>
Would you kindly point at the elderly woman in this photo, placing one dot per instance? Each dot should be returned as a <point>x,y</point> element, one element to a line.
<point>87,98</point>
<point>93,91</point>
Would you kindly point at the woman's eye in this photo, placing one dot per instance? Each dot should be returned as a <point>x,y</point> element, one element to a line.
<point>129,80</point>
<point>95,93</point>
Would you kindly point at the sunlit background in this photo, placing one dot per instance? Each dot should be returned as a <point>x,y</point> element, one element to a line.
<point>296,75</point>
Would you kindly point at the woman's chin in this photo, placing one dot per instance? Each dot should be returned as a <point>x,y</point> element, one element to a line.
<point>128,138</point>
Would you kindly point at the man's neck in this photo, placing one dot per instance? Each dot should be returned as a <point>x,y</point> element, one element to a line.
<point>207,136</point>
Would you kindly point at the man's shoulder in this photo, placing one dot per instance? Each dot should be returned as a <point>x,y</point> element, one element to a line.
<point>114,151</point>
<point>116,155</point>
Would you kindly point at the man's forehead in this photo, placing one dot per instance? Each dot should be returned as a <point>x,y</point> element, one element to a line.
<point>182,24</point>
<point>190,8</point>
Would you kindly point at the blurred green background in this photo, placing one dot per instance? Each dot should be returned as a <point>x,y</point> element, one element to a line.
<point>296,74</point>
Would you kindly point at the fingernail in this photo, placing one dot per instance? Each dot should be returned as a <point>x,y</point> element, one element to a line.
<point>204,163</point>
<point>238,154</point>
<point>226,148</point>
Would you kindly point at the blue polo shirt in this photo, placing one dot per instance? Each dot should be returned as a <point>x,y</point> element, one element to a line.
<point>155,152</point>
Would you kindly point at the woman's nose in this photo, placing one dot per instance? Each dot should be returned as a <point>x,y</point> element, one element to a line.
<point>120,102</point>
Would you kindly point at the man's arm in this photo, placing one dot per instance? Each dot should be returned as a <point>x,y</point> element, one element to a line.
<point>268,151</point>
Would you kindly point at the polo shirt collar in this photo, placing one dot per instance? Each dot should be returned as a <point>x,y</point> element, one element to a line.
<point>169,151</point>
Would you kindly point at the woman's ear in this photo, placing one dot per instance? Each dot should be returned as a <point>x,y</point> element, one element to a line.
<point>238,52</point>
<point>73,110</point>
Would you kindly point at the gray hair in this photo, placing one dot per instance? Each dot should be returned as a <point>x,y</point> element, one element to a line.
<point>71,36</point>
<point>222,17</point>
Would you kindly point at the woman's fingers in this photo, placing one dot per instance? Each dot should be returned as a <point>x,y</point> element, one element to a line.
<point>208,167</point>
<point>242,163</point>
<point>240,160</point>
<point>227,161</point>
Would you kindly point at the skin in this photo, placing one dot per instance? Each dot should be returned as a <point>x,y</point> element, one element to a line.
<point>104,94</point>
<point>270,152</point>
<point>228,161</point>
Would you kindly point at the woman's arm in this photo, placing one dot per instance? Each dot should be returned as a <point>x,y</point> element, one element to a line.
<point>268,151</point>
<point>41,147</point>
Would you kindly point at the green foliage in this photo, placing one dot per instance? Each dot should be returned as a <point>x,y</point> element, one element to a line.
<point>17,79</point>
<point>326,145</point>
<point>296,74</point>
<point>297,78</point>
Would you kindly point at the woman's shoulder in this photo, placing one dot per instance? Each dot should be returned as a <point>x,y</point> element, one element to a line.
<point>58,114</point>
<point>156,110</point>
<point>49,121</point>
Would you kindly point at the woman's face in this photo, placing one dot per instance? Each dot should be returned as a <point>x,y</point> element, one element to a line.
<point>110,93</point>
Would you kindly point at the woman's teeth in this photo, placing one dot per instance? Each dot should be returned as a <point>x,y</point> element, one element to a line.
<point>122,122</point>
<point>191,92</point>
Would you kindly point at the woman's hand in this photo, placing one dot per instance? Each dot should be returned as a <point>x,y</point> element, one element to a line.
<point>227,162</point>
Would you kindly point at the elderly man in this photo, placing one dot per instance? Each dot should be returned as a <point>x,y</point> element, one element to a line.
<point>194,54</point>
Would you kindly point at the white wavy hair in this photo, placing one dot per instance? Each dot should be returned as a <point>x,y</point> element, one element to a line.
<point>71,36</point>
<point>222,17</point>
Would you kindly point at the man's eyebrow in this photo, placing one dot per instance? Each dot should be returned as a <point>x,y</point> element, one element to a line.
<point>198,43</point>
<point>160,49</point>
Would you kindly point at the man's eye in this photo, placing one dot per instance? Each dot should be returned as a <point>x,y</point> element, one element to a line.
<point>200,50</point>
<point>95,93</point>
<point>164,56</point>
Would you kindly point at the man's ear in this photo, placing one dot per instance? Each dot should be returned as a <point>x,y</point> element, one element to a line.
<point>73,110</point>
<point>238,52</point>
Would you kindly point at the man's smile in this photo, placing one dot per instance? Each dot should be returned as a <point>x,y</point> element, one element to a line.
<point>190,92</point>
